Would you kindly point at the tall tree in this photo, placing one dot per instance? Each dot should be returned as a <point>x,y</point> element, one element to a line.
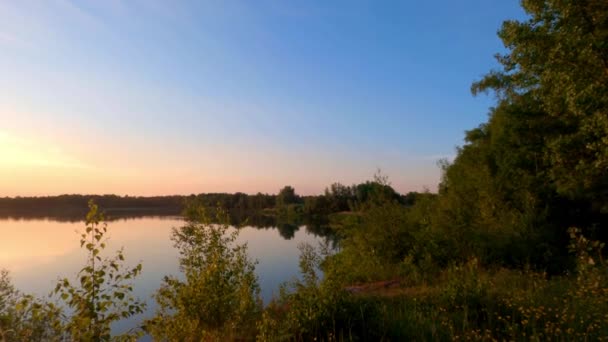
<point>286,196</point>
<point>559,57</point>
<point>539,165</point>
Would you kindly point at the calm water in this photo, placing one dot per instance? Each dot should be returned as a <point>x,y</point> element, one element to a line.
<point>38,251</point>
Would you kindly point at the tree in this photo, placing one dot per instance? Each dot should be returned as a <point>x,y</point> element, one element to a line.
<point>559,58</point>
<point>286,196</point>
<point>219,294</point>
<point>339,196</point>
<point>538,166</point>
<point>103,292</point>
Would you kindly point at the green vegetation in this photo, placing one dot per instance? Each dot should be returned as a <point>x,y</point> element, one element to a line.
<point>103,293</point>
<point>219,296</point>
<point>25,318</point>
<point>260,210</point>
<point>87,307</point>
<point>510,248</point>
<point>494,255</point>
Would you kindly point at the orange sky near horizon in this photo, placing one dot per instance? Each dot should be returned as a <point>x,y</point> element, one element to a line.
<point>35,167</point>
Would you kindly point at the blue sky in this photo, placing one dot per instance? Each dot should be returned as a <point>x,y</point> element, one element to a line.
<point>158,97</point>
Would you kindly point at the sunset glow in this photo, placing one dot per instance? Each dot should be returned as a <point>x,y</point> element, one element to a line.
<point>148,98</point>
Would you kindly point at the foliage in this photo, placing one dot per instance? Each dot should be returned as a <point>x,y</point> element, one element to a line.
<point>286,196</point>
<point>22,317</point>
<point>538,166</point>
<point>33,319</point>
<point>8,293</point>
<point>372,247</point>
<point>341,198</point>
<point>387,238</point>
<point>538,308</point>
<point>218,296</point>
<point>559,57</point>
<point>307,307</point>
<point>73,207</point>
<point>102,294</point>
<point>464,301</point>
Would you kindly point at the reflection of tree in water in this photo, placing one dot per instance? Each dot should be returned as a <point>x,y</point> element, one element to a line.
<point>286,226</point>
<point>253,219</point>
<point>321,228</point>
<point>75,215</point>
<point>287,230</point>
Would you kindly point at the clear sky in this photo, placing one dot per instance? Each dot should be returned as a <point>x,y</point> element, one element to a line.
<point>177,97</point>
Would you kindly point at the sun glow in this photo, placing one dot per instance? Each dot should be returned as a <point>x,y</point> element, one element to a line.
<point>17,152</point>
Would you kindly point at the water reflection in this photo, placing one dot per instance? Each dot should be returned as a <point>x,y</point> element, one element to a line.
<point>76,214</point>
<point>37,251</point>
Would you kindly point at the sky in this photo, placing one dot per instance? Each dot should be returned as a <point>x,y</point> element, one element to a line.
<point>157,97</point>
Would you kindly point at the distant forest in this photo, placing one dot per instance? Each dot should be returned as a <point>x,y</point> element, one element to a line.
<point>336,198</point>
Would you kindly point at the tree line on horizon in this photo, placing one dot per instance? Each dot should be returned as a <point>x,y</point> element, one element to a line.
<point>337,197</point>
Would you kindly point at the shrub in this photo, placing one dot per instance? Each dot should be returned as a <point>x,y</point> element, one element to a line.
<point>218,297</point>
<point>103,293</point>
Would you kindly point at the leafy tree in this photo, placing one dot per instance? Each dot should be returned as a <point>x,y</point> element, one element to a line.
<point>538,166</point>
<point>219,294</point>
<point>102,295</point>
<point>559,58</point>
<point>286,196</point>
<point>373,193</point>
<point>339,196</point>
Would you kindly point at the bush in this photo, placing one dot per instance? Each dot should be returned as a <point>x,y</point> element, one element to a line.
<point>306,307</point>
<point>218,297</point>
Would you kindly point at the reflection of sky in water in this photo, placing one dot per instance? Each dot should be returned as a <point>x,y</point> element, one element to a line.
<point>37,252</point>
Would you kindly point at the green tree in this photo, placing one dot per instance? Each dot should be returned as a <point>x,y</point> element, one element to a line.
<point>559,58</point>
<point>218,297</point>
<point>538,166</point>
<point>286,196</point>
<point>103,293</point>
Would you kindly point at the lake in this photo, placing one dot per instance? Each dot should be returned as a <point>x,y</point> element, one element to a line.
<point>39,251</point>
